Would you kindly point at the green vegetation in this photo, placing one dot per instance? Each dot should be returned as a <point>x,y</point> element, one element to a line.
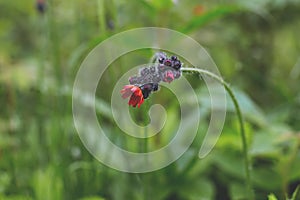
<point>255,45</point>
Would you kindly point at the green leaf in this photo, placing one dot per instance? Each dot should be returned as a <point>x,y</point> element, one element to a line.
<point>230,162</point>
<point>202,189</point>
<point>201,20</point>
<point>296,194</point>
<point>48,185</point>
<point>159,4</point>
<point>15,197</point>
<point>237,191</point>
<point>272,197</point>
<point>264,143</point>
<point>5,180</point>
<point>266,178</point>
<point>251,111</point>
<point>248,107</point>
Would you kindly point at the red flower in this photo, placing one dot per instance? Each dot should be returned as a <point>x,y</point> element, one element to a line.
<point>135,93</point>
<point>168,76</point>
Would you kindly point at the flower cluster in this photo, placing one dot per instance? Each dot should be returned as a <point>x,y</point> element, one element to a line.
<point>166,69</point>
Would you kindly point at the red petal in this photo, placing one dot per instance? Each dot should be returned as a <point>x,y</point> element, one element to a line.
<point>135,94</point>
<point>127,91</point>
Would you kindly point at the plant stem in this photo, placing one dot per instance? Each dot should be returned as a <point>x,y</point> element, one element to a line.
<point>241,122</point>
<point>101,17</point>
<point>146,140</point>
<point>145,116</point>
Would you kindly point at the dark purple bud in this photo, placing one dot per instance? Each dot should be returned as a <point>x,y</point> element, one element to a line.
<point>147,89</point>
<point>146,93</point>
<point>41,6</point>
<point>110,24</point>
<point>148,86</point>
<point>173,58</point>
<point>161,60</point>
<point>155,87</point>
<point>176,64</point>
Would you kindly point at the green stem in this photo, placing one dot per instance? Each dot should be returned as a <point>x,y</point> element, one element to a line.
<point>241,122</point>
<point>101,17</point>
<point>146,140</point>
<point>145,116</point>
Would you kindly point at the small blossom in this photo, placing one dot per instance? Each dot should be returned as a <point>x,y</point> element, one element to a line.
<point>168,76</point>
<point>135,93</point>
<point>168,62</point>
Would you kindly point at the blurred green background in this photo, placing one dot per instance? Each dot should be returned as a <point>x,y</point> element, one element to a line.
<point>254,43</point>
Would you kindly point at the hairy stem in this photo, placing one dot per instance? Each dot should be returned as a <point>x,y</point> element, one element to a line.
<point>241,122</point>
